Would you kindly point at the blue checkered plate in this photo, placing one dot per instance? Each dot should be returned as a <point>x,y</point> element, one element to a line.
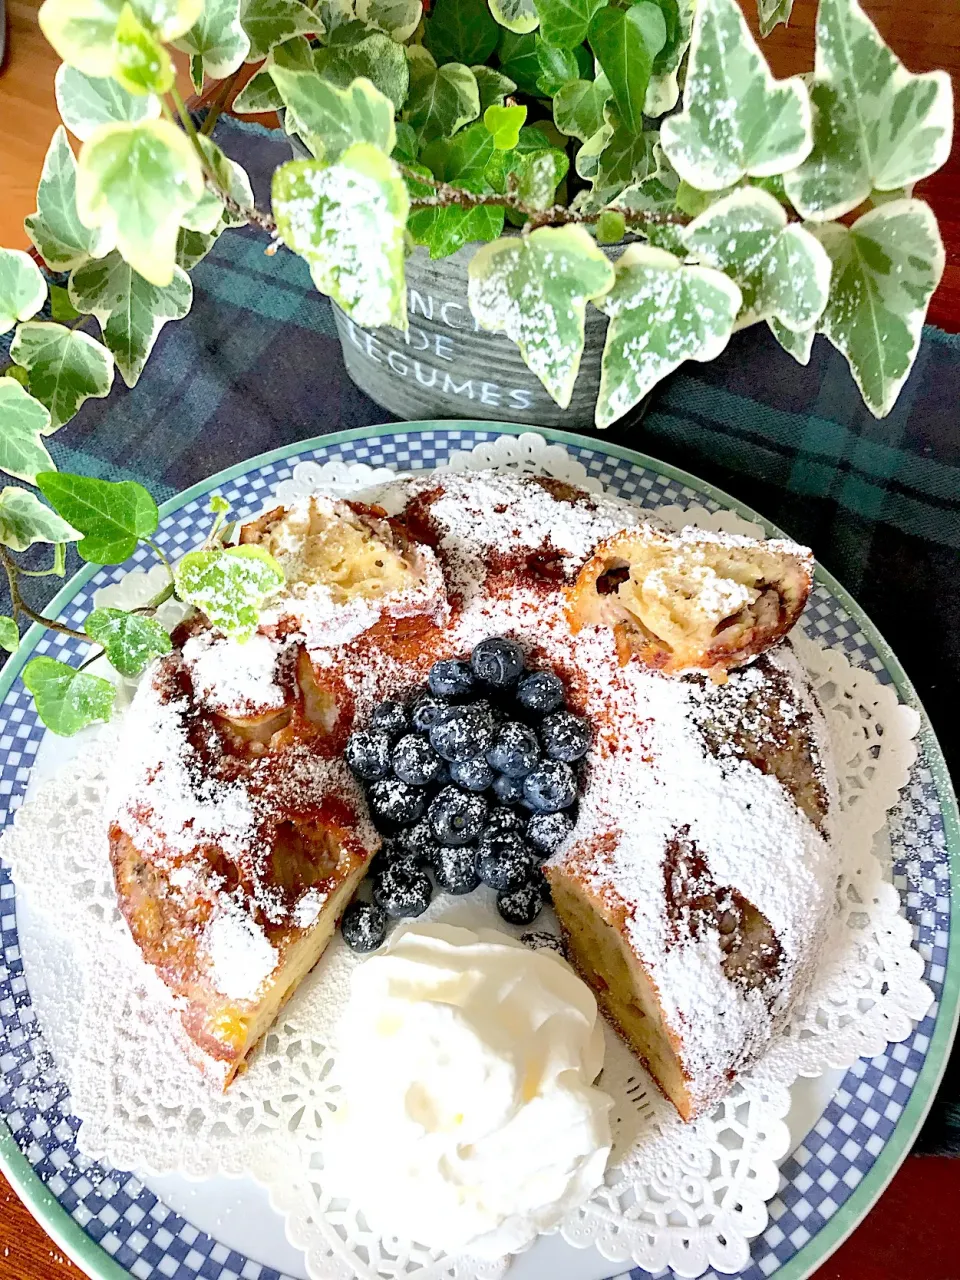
<point>851,1130</point>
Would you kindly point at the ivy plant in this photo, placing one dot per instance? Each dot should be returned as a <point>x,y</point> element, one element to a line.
<point>635,156</point>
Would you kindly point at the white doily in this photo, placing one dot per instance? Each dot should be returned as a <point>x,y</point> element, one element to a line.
<point>685,1196</point>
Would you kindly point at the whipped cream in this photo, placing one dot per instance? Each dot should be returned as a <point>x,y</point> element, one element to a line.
<point>469,1120</point>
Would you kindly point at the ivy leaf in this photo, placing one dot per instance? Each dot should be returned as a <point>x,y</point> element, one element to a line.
<point>493,87</point>
<point>539,175</point>
<point>23,420</point>
<point>129,640</point>
<point>798,345</point>
<point>565,22</point>
<point>875,124</point>
<point>83,31</point>
<point>192,247</point>
<point>626,41</point>
<point>611,227</point>
<point>376,57</point>
<point>885,267</point>
<point>270,22</point>
<point>782,271</point>
<point>661,313</point>
<point>233,181</point>
<point>112,516</point>
<point>131,311</point>
<point>535,289</point>
<point>23,289</point>
<point>664,88</point>
<point>398,19</point>
<point>519,16</point>
<point>337,117</point>
<point>60,237</point>
<point>24,520</point>
<point>217,38</point>
<point>442,99</point>
<point>67,700</point>
<point>560,66</point>
<point>258,95</point>
<point>347,220</point>
<point>578,107</point>
<point>445,229</point>
<point>9,634</point>
<point>61,308</point>
<point>137,180</point>
<point>518,60</point>
<point>66,367</point>
<point>504,124</point>
<point>466,158</point>
<point>87,102</point>
<point>770,13</point>
<point>140,64</point>
<point>461,31</point>
<point>229,586</point>
<point>737,119</point>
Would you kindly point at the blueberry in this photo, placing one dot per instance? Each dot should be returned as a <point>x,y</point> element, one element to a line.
<point>456,818</point>
<point>497,662</point>
<point>463,732</point>
<point>501,819</point>
<point>551,786</point>
<point>451,678</point>
<point>394,803</point>
<point>473,775</point>
<point>565,736</point>
<point>540,693</point>
<point>456,870</point>
<point>364,926</point>
<point>419,844</point>
<point>390,718</point>
<point>368,754</point>
<point>508,790</point>
<point>515,751</point>
<point>504,862</point>
<point>415,761</point>
<point>522,905</point>
<point>402,890</point>
<point>426,710</point>
<point>547,831</point>
<point>394,851</point>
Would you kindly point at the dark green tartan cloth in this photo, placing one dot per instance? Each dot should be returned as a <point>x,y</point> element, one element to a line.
<point>256,364</point>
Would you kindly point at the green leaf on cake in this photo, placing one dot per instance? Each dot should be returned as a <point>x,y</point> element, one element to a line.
<point>131,311</point>
<point>442,99</point>
<point>736,119</point>
<point>376,57</point>
<point>87,102</point>
<point>347,220</point>
<point>136,181</point>
<point>140,64</point>
<point>885,267</point>
<point>60,237</point>
<point>337,118</point>
<point>565,22</point>
<point>271,22</point>
<point>9,634</point>
<point>129,640</point>
<point>875,124</point>
<point>398,19</point>
<point>578,107</point>
<point>23,289</point>
<point>112,516</point>
<point>217,38</point>
<point>23,420</point>
<point>66,367</point>
<point>461,31</point>
<point>24,520</point>
<point>798,345</point>
<point>626,42</point>
<point>769,14</point>
<point>67,700</point>
<point>662,313</point>
<point>782,270</point>
<point>535,289</point>
<point>229,586</point>
<point>519,16</point>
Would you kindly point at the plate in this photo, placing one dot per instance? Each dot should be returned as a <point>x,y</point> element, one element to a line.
<point>851,1131</point>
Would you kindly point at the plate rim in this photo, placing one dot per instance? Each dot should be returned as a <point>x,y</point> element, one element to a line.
<point>92,1258</point>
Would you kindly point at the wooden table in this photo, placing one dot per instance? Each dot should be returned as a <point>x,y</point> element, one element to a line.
<point>914,1231</point>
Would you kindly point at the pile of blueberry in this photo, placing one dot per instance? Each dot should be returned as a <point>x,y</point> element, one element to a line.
<point>473,782</point>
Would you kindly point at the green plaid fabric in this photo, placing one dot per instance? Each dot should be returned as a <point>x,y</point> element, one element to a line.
<point>256,364</point>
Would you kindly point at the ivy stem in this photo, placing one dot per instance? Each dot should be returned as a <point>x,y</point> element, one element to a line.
<point>18,605</point>
<point>157,600</point>
<point>59,558</point>
<point>220,101</point>
<point>161,555</point>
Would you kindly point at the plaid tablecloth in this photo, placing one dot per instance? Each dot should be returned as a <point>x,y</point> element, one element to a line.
<point>256,365</point>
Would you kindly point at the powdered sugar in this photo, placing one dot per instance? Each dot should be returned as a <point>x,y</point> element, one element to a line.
<point>240,953</point>
<point>237,679</point>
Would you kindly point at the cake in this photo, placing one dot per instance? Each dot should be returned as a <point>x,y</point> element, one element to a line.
<point>695,888</point>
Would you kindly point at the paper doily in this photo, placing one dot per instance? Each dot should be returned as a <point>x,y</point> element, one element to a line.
<point>685,1196</point>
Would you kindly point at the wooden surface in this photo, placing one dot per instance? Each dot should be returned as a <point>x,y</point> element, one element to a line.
<point>914,1232</point>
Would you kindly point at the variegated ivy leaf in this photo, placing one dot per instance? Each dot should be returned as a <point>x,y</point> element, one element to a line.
<point>140,63</point>
<point>626,41</point>
<point>229,585</point>
<point>578,107</point>
<point>442,99</point>
<point>782,271</point>
<point>664,87</point>
<point>398,19</point>
<point>24,520</point>
<point>131,311</point>
<point>885,267</point>
<point>736,119</point>
<point>662,312</point>
<point>83,31</point>
<point>232,179</point>
<point>9,634</point>
<point>129,640</point>
<point>535,289</point>
<point>136,181</point>
<point>23,289</point>
<point>770,13</point>
<point>258,95</point>
<point>23,420</point>
<point>67,699</point>
<point>87,102</point>
<point>65,366</point>
<point>798,345</point>
<point>271,22</point>
<point>539,175</point>
<point>375,57</point>
<point>614,158</point>
<point>337,118</point>
<point>516,15</point>
<point>564,23</point>
<point>347,220</point>
<point>493,86</point>
<point>217,38</point>
<point>875,124</point>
